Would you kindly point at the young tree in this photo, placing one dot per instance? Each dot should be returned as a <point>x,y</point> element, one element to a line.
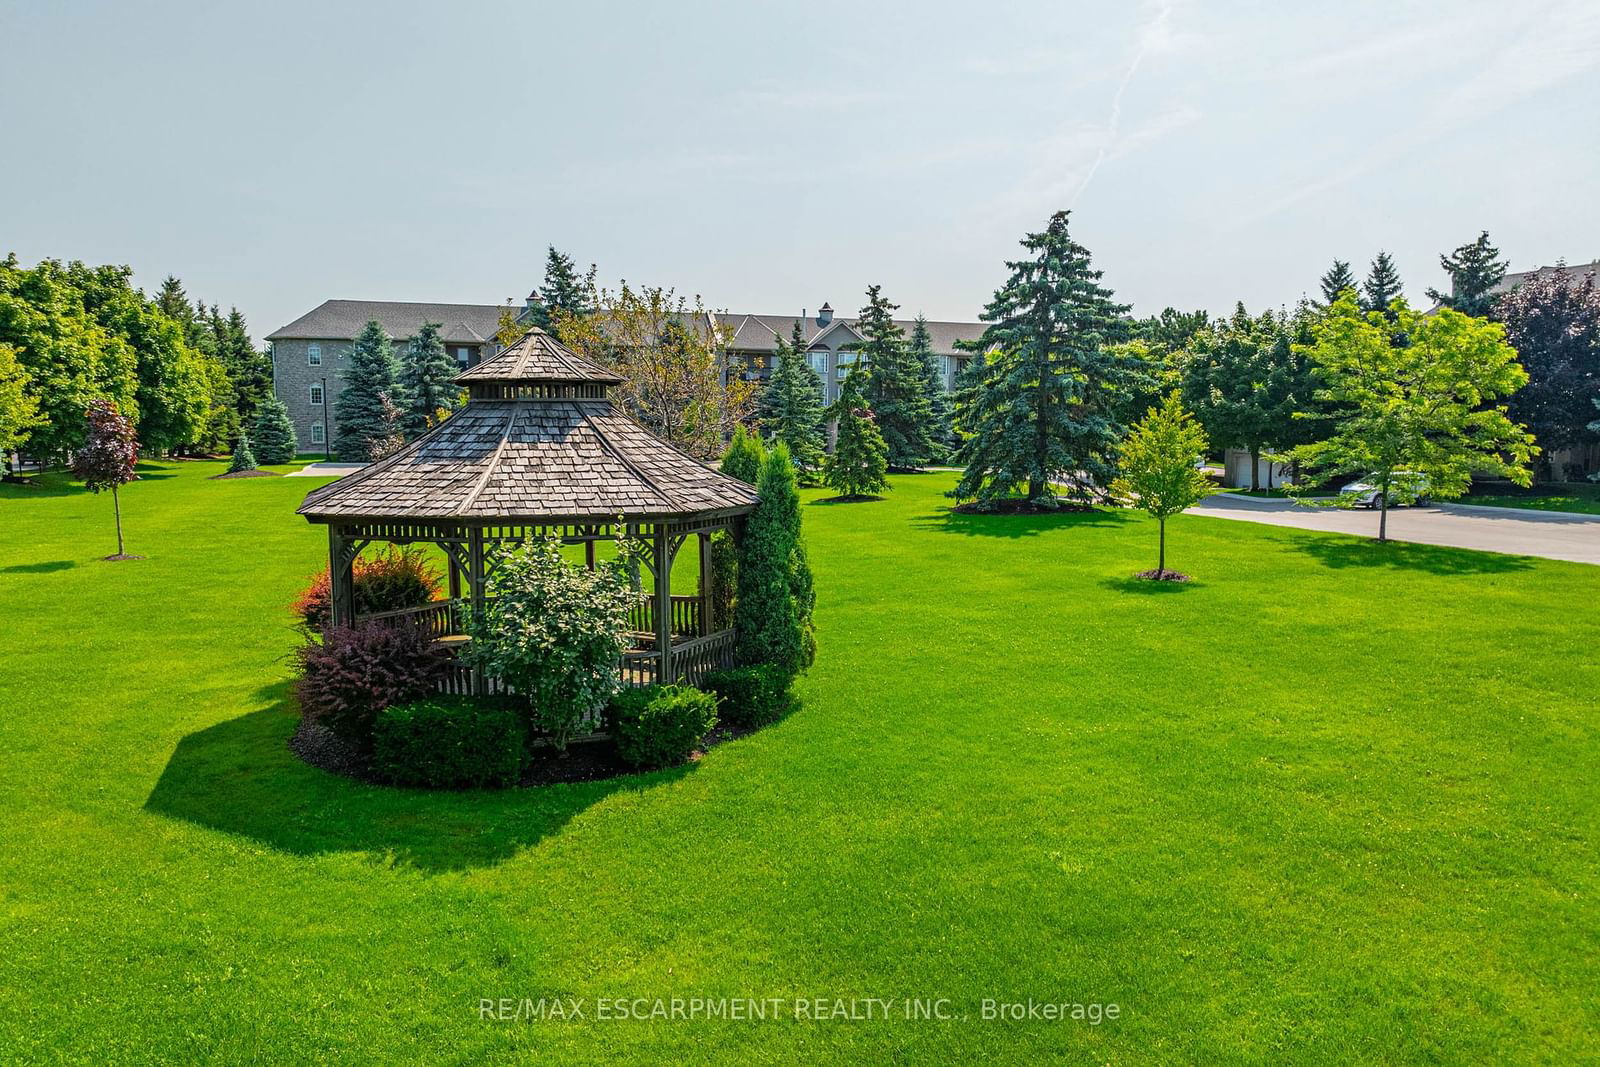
<point>509,330</point>
<point>1382,286</point>
<point>1426,406</point>
<point>243,458</point>
<point>108,458</point>
<point>896,384</point>
<point>1336,280</point>
<point>1160,473</point>
<point>554,632</point>
<point>1045,405</point>
<point>674,362</point>
<point>1553,321</point>
<point>791,403</point>
<point>274,432</point>
<point>859,464</point>
<point>765,615</point>
<point>19,409</point>
<point>369,390</point>
<point>1474,269</point>
<point>425,383</point>
<point>919,347</point>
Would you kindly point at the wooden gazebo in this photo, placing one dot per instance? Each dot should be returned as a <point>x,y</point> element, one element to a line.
<point>539,450</point>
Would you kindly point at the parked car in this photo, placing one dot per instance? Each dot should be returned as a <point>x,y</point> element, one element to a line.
<point>1405,487</point>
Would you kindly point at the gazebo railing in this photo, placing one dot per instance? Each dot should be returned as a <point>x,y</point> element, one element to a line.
<point>694,659</point>
<point>685,615</point>
<point>441,618</point>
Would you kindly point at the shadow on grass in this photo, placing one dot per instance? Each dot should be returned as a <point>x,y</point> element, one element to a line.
<point>39,568</point>
<point>1405,556</point>
<point>970,524</point>
<point>859,498</point>
<point>240,777</point>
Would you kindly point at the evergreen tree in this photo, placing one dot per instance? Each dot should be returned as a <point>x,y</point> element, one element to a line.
<point>361,412</point>
<point>791,404</point>
<point>1474,269</point>
<point>1171,330</point>
<point>243,458</point>
<point>742,460</point>
<point>1338,278</point>
<point>744,457</point>
<point>895,386</point>
<point>1382,286</point>
<point>425,385</point>
<point>174,302</point>
<point>1044,407</point>
<point>919,347</point>
<point>563,291</point>
<point>765,615</point>
<point>860,458</point>
<point>274,432</point>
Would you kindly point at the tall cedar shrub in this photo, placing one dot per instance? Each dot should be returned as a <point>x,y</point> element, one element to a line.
<point>355,672</point>
<point>764,614</point>
<point>1045,406</point>
<point>108,457</point>
<point>741,460</point>
<point>447,742</point>
<point>660,725</point>
<point>859,464</point>
<point>393,579</point>
<point>273,437</point>
<point>364,411</point>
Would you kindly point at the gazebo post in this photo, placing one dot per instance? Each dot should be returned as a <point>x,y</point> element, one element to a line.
<point>341,587</point>
<point>706,621</point>
<point>475,592</point>
<point>663,568</point>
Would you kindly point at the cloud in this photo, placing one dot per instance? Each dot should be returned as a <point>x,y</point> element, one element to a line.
<point>1154,35</point>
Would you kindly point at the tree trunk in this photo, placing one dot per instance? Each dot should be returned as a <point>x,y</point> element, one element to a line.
<point>116,508</point>
<point>1383,515</point>
<point>1161,556</point>
<point>1255,468</point>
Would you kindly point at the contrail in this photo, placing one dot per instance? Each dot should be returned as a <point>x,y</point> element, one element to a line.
<point>1148,32</point>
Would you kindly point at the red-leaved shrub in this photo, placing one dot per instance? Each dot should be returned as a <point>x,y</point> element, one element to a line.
<point>357,671</point>
<point>394,579</point>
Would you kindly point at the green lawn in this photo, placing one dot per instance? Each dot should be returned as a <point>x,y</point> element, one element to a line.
<point>1583,497</point>
<point>1332,801</point>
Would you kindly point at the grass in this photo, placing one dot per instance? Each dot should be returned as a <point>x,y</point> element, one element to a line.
<point>1331,801</point>
<point>1578,497</point>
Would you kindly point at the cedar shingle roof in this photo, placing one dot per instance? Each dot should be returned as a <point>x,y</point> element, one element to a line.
<point>538,458</point>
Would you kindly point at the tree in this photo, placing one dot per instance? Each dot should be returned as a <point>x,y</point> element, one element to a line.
<point>1336,280</point>
<point>563,295</point>
<point>1426,406</point>
<point>243,458</point>
<point>274,432</point>
<point>673,358</point>
<point>765,616</point>
<point>742,460</point>
<point>1044,406</point>
<point>919,348</point>
<point>1171,330</point>
<point>744,457</point>
<point>108,458</point>
<point>1160,473</point>
<point>509,329</point>
<point>554,633</point>
<point>1382,286</point>
<point>425,385</point>
<point>19,409</point>
<point>896,384</point>
<point>361,410</point>
<point>859,464</point>
<point>1553,321</point>
<point>791,403</point>
<point>1474,269</point>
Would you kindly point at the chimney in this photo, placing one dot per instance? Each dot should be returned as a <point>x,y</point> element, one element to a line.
<point>824,314</point>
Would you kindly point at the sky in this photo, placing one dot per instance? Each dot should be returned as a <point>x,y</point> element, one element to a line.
<point>772,157</point>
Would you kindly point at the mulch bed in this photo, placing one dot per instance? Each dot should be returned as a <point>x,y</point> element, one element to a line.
<point>120,558</point>
<point>245,474</point>
<point>1168,575</point>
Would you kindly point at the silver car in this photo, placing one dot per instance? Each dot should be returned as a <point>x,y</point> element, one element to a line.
<point>1405,487</point>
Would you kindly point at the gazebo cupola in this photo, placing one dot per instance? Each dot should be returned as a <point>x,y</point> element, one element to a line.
<point>539,449</point>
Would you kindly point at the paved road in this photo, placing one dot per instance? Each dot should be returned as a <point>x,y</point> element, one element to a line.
<point>1551,534</point>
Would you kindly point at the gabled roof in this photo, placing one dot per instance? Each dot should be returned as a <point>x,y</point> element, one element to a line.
<point>537,357</point>
<point>760,333</point>
<point>342,320</point>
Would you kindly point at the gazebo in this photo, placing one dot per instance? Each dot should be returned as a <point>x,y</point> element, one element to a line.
<point>539,450</point>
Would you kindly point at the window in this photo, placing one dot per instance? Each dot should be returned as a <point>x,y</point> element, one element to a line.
<point>313,355</point>
<point>317,434</point>
<point>819,362</point>
<point>316,394</point>
<point>463,357</point>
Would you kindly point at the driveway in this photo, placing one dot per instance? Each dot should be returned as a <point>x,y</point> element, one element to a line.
<point>1550,534</point>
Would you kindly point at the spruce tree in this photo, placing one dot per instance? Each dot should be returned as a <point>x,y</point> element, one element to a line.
<point>425,383</point>
<point>274,432</point>
<point>1382,286</point>
<point>1474,269</point>
<point>920,347</point>
<point>361,411</point>
<point>243,458</point>
<point>765,616</point>
<point>791,404</point>
<point>563,291</point>
<point>1043,408</point>
<point>860,458</point>
<point>174,302</point>
<point>894,387</point>
<point>1338,278</point>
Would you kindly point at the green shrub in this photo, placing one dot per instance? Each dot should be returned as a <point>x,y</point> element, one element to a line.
<point>660,725</point>
<point>748,696</point>
<point>448,743</point>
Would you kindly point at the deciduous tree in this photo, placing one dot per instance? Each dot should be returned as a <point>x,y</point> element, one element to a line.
<point>1553,321</point>
<point>19,409</point>
<point>1160,474</point>
<point>108,458</point>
